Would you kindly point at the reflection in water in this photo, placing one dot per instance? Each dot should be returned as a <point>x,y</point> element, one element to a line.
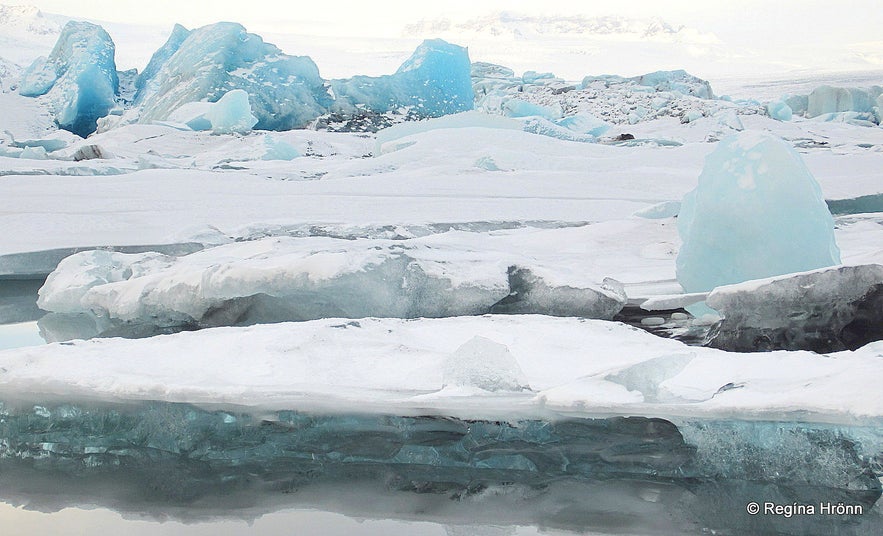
<point>615,476</point>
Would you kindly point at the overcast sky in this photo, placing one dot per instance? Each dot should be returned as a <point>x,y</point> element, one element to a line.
<point>735,21</point>
<point>753,36</point>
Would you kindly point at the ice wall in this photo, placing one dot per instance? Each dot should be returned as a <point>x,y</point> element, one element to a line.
<point>79,77</point>
<point>757,212</point>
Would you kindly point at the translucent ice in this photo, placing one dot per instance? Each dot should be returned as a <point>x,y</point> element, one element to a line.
<point>285,91</point>
<point>779,111</point>
<point>232,113</point>
<point>827,99</point>
<point>79,77</point>
<point>436,80</point>
<point>757,212</point>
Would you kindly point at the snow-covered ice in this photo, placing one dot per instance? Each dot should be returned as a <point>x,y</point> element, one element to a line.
<point>572,366</point>
<point>278,279</point>
<point>432,289</point>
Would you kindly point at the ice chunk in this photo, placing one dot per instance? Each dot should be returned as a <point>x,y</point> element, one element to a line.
<point>232,113</point>
<point>278,279</point>
<point>691,116</point>
<point>779,110</point>
<point>285,91</point>
<point>90,152</point>
<point>825,310</point>
<point>434,81</point>
<point>797,103</point>
<point>486,364</point>
<point>278,149</point>
<point>34,153</point>
<point>679,81</point>
<point>530,293</point>
<point>757,212</point>
<point>79,77</point>
<point>827,99</point>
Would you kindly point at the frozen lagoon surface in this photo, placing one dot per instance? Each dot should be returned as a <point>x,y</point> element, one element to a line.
<point>521,408</point>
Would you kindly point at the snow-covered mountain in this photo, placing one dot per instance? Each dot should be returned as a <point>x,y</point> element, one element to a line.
<point>27,20</point>
<point>26,32</point>
<point>509,24</point>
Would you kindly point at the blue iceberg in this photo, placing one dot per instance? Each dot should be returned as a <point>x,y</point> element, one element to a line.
<point>435,81</point>
<point>79,77</point>
<point>284,91</point>
<point>779,110</point>
<point>231,114</point>
<point>757,212</point>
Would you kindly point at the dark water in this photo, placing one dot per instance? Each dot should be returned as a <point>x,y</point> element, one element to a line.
<point>220,467</point>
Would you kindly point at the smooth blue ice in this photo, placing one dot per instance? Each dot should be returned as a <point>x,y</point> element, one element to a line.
<point>435,81</point>
<point>757,212</point>
<point>79,77</point>
<point>779,110</point>
<point>285,91</point>
<point>231,114</point>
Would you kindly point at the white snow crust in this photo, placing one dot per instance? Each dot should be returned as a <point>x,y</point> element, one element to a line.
<point>571,366</point>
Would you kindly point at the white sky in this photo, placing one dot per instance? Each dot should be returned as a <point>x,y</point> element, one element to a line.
<point>767,36</point>
<point>736,21</point>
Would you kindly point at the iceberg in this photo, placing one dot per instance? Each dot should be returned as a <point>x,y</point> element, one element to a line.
<point>826,99</point>
<point>825,310</point>
<point>435,81</point>
<point>287,92</point>
<point>79,77</point>
<point>779,110</point>
<point>231,114</point>
<point>285,279</point>
<point>207,63</point>
<point>679,81</point>
<point>757,212</point>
